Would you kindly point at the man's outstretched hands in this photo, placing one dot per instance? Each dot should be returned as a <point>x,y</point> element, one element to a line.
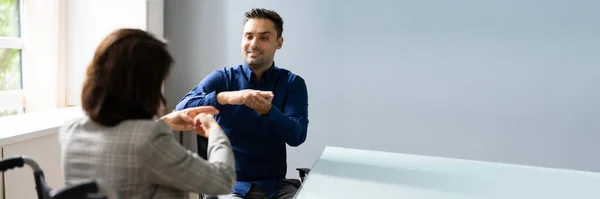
<point>260,101</point>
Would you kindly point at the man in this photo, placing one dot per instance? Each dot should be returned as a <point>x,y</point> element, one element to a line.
<point>262,108</point>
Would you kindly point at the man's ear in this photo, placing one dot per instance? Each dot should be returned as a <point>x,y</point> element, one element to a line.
<point>279,42</point>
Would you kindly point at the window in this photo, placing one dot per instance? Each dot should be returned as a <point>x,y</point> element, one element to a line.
<point>11,83</point>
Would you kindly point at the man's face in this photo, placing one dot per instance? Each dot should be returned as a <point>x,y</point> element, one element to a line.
<point>259,42</point>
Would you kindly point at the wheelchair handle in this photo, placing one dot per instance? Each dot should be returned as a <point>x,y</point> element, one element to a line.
<point>17,162</point>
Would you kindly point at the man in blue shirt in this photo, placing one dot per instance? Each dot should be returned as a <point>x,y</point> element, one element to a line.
<point>262,108</point>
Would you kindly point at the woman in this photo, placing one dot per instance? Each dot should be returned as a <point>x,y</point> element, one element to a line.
<point>119,141</point>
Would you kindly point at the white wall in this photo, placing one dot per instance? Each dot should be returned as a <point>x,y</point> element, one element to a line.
<point>88,23</point>
<point>41,39</point>
<point>500,80</point>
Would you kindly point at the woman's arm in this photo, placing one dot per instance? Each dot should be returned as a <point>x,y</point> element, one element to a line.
<point>170,164</point>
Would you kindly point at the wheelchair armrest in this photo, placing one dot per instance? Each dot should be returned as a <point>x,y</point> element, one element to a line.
<point>303,171</point>
<point>85,190</point>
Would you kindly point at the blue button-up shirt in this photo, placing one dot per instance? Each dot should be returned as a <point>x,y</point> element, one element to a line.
<point>258,141</point>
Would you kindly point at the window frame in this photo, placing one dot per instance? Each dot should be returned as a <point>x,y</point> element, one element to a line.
<point>11,43</point>
<point>42,44</point>
<point>17,96</point>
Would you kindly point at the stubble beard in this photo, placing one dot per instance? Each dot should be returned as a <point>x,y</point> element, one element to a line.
<point>255,64</point>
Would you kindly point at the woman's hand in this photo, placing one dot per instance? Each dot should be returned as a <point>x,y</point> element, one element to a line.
<point>204,123</point>
<point>184,120</point>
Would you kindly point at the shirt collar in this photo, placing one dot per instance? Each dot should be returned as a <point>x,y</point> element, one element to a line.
<point>266,76</point>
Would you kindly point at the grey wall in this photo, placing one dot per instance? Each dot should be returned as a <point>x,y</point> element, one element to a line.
<point>511,81</point>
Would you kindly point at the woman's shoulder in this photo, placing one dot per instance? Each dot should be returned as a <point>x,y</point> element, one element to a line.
<point>129,132</point>
<point>129,126</point>
<point>144,126</point>
<point>72,124</point>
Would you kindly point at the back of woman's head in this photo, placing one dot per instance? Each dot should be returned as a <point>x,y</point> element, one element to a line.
<point>124,79</point>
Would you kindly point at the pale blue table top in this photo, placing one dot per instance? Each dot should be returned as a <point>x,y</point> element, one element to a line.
<point>351,173</point>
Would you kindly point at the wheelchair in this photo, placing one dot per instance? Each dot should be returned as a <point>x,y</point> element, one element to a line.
<point>303,172</point>
<point>92,189</point>
<point>202,144</point>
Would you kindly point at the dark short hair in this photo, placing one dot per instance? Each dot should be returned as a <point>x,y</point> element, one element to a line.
<point>262,13</point>
<point>124,79</point>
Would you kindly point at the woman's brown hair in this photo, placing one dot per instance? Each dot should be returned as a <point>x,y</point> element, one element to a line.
<point>124,79</point>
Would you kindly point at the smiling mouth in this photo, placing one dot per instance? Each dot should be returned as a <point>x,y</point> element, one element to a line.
<point>253,54</point>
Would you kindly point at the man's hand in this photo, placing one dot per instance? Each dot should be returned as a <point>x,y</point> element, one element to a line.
<point>184,120</point>
<point>236,97</point>
<point>232,97</point>
<point>261,103</point>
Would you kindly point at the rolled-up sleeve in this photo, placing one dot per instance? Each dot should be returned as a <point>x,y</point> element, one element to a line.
<point>205,93</point>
